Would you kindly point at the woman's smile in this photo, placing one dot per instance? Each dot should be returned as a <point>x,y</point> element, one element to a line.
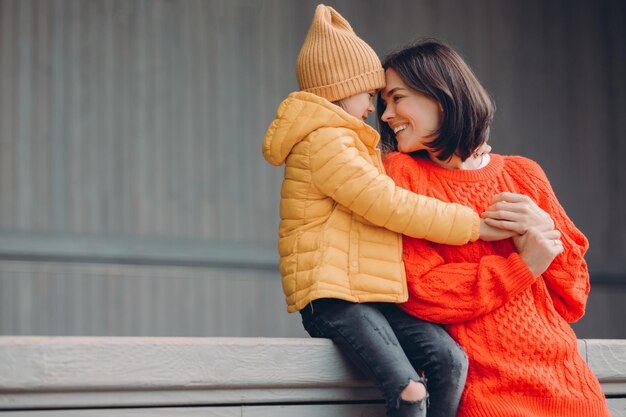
<point>399,128</point>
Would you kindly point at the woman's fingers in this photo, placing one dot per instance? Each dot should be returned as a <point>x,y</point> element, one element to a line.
<point>539,248</point>
<point>551,240</point>
<point>552,235</point>
<point>525,207</point>
<point>514,212</point>
<point>523,211</point>
<point>518,226</point>
<point>510,197</point>
<point>505,205</point>
<point>502,214</point>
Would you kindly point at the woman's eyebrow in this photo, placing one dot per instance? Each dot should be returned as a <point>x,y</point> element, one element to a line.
<point>393,90</point>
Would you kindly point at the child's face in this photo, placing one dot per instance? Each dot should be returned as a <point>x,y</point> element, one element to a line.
<point>360,105</point>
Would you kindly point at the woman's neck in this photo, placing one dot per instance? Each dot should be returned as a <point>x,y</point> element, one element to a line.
<point>455,162</point>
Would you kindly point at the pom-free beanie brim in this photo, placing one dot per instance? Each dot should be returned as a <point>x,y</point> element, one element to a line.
<point>370,81</point>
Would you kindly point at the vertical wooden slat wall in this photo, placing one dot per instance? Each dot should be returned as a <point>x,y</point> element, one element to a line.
<point>144,119</point>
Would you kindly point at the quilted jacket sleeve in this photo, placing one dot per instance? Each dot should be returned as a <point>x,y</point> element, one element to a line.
<point>340,172</point>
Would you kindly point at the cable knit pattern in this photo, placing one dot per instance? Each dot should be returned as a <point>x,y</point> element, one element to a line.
<point>522,353</point>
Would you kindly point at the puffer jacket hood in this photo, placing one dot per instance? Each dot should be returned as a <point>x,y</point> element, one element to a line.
<point>302,113</point>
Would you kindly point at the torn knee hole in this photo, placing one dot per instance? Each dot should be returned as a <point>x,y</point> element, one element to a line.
<point>414,391</point>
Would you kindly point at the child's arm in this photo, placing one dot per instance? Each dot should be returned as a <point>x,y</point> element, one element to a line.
<point>341,173</point>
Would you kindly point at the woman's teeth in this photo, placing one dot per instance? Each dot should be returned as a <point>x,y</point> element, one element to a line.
<point>399,128</point>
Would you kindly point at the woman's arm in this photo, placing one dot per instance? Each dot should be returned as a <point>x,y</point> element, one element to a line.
<point>341,173</point>
<point>566,277</point>
<point>456,292</point>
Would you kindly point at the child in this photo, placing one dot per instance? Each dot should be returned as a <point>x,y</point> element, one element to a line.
<point>342,221</point>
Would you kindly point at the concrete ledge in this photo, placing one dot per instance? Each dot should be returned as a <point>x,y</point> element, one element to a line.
<point>223,374</point>
<point>607,360</point>
<point>68,372</point>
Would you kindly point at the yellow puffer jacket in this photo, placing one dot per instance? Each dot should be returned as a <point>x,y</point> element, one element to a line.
<point>341,216</point>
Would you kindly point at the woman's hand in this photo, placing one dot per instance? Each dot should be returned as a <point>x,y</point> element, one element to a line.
<point>536,240</point>
<point>516,213</point>
<point>538,247</point>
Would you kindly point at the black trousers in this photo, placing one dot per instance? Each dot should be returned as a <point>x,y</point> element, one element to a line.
<point>391,346</point>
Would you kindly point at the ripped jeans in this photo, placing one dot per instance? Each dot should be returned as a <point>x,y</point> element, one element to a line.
<point>390,346</point>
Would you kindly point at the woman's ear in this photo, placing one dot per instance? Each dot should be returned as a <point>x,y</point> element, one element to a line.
<point>440,114</point>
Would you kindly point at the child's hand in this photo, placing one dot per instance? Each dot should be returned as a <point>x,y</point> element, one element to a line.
<point>490,233</point>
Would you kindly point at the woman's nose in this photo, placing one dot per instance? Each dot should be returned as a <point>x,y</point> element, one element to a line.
<point>387,114</point>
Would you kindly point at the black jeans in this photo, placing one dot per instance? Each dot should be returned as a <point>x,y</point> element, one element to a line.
<point>391,346</point>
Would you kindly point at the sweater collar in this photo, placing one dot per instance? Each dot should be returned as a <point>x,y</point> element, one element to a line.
<point>493,168</point>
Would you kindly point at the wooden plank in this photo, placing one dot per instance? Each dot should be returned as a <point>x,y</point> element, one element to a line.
<point>48,372</point>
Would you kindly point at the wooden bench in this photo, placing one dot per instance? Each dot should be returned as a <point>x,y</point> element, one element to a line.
<point>192,377</point>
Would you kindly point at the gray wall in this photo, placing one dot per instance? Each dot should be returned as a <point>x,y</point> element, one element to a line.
<point>133,196</point>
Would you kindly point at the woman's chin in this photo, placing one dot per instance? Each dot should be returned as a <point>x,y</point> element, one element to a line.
<point>405,148</point>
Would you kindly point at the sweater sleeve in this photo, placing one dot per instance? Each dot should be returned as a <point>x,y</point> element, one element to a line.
<point>452,293</point>
<point>340,172</point>
<point>567,278</point>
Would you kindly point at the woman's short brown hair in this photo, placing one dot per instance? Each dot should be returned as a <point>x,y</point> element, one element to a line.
<point>436,70</point>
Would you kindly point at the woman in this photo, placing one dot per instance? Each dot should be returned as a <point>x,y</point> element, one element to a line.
<point>507,303</point>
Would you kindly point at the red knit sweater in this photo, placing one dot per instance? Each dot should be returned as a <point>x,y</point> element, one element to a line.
<point>523,357</point>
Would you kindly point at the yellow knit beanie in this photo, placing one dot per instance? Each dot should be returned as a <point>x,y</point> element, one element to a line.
<point>334,62</point>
